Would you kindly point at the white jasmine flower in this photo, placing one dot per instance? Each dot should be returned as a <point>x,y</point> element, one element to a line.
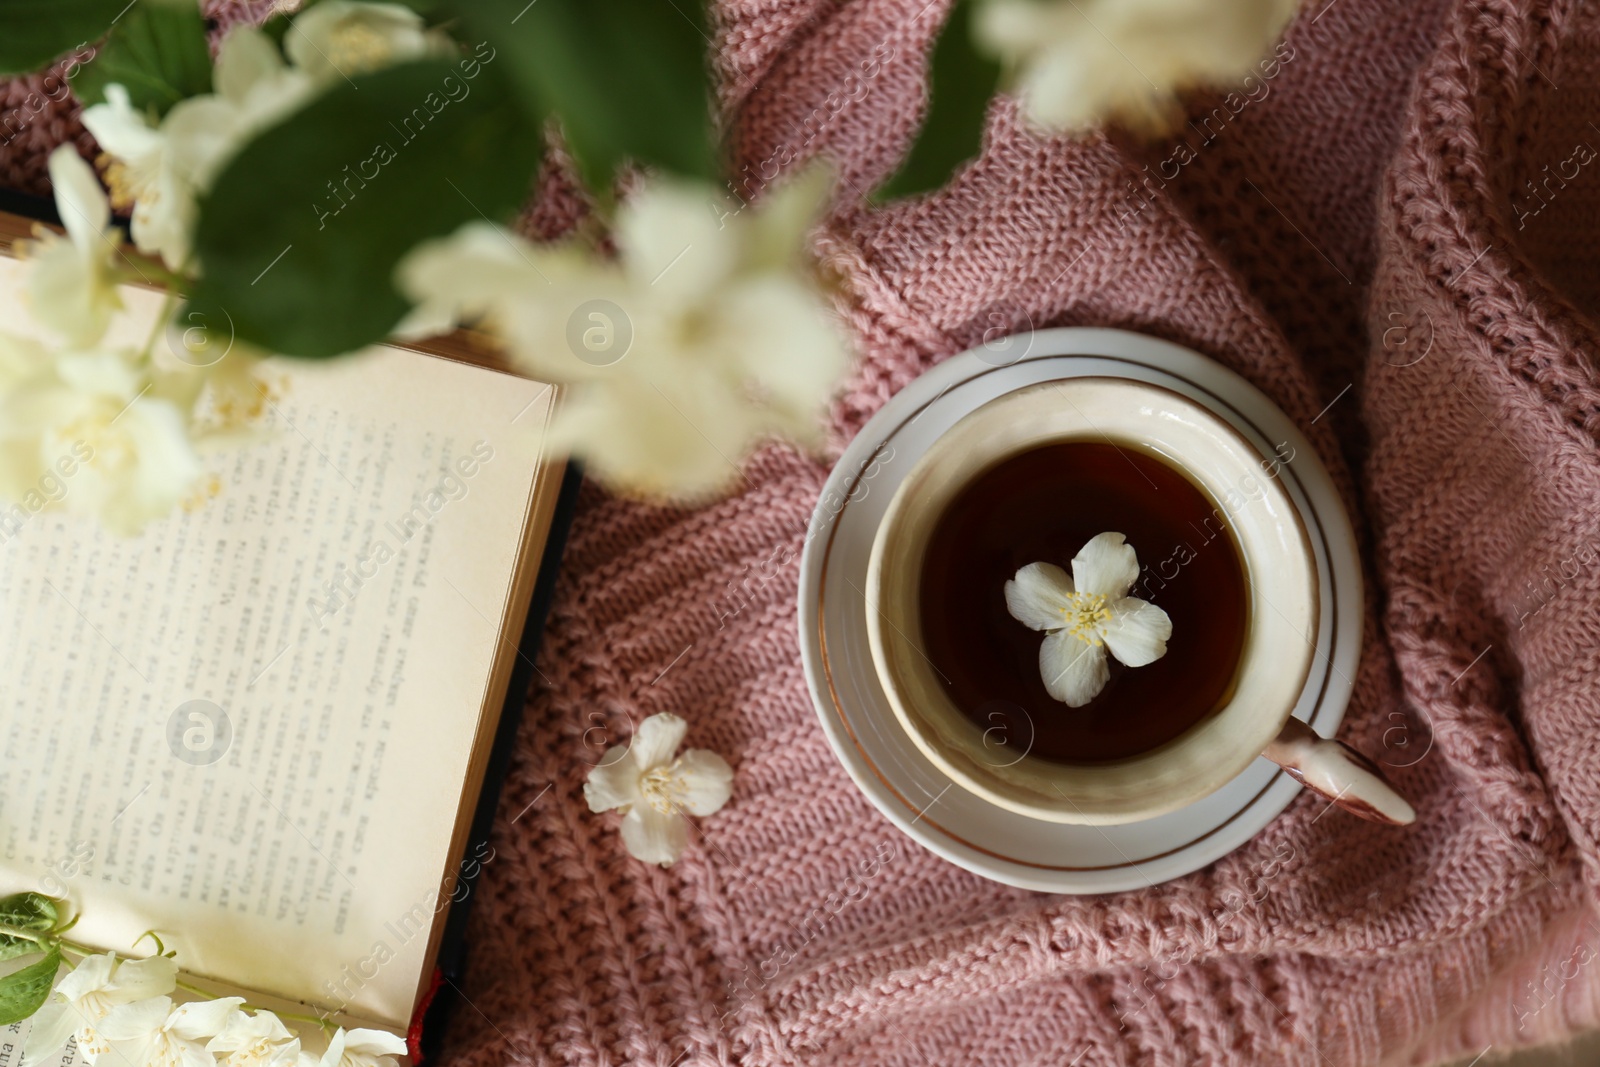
<point>340,38</point>
<point>655,791</point>
<point>702,337</point>
<point>363,1048</point>
<point>1080,62</point>
<point>154,1033</point>
<point>255,1040</point>
<point>20,359</point>
<point>1086,613</point>
<point>160,171</point>
<point>83,998</point>
<point>144,177</point>
<point>129,443</point>
<point>72,283</point>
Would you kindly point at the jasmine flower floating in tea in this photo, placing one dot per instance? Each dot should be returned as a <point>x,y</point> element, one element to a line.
<point>1086,614</point>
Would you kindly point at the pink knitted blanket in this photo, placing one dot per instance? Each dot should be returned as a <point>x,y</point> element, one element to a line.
<point>1392,235</point>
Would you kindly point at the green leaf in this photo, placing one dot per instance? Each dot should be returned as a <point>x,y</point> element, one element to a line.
<point>33,32</point>
<point>629,79</point>
<point>961,81</point>
<point>157,51</point>
<point>23,992</point>
<point>12,947</point>
<point>299,237</point>
<point>26,911</point>
<point>30,911</point>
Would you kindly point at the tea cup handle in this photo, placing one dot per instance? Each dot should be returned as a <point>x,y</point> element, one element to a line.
<point>1340,773</point>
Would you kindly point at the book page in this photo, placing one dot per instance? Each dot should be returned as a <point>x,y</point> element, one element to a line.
<point>249,727</point>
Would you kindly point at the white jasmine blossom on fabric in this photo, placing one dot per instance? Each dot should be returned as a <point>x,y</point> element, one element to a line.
<point>159,171</point>
<point>1087,614</point>
<point>1078,63</point>
<point>703,336</point>
<point>84,997</point>
<point>363,1048</point>
<point>655,789</point>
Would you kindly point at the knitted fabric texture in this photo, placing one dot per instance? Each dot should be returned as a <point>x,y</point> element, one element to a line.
<point>1389,229</point>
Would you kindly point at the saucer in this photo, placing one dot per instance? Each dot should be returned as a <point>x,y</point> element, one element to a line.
<point>856,715</point>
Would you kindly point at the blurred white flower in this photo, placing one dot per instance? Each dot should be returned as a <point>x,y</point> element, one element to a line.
<point>255,1040</point>
<point>160,171</point>
<point>363,1048</point>
<point>130,444</point>
<point>72,282</point>
<point>655,791</point>
<point>84,997</point>
<point>1080,62</point>
<point>705,335</point>
<point>142,177</point>
<point>339,38</point>
<point>154,1033</point>
<point>1085,614</point>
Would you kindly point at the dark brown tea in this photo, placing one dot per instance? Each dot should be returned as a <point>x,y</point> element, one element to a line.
<point>1043,505</point>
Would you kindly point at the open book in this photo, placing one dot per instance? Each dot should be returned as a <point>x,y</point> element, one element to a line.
<point>261,727</point>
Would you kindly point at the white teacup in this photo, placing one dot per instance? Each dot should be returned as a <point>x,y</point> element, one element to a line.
<point>1279,642</point>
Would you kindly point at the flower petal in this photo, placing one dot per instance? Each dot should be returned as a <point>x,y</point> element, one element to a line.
<point>1037,596</point>
<point>92,974</point>
<point>1078,64</point>
<point>677,440</point>
<point>342,38</point>
<point>152,977</point>
<point>135,1021</point>
<point>52,1025</point>
<point>374,1043</point>
<point>775,231</point>
<point>1137,631</point>
<point>673,242</point>
<point>1074,671</point>
<point>788,342</point>
<point>654,837</point>
<point>244,1031</point>
<point>705,782</point>
<point>101,372</point>
<point>201,1020</point>
<point>462,275</point>
<point>335,1049</point>
<point>287,1054</point>
<point>656,739</point>
<point>245,58</point>
<point>1107,565</point>
<point>125,498</point>
<point>119,128</point>
<point>613,782</point>
<point>85,211</point>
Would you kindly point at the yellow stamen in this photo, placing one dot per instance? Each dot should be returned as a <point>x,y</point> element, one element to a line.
<point>661,786</point>
<point>120,183</point>
<point>1085,616</point>
<point>355,48</point>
